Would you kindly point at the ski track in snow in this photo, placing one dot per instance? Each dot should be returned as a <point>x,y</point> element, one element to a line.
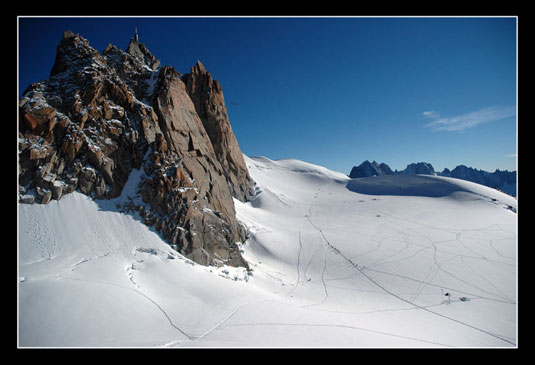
<point>225,321</point>
<point>362,270</point>
<point>142,295</point>
<point>322,267</point>
<point>431,274</point>
<point>325,288</point>
<point>298,279</point>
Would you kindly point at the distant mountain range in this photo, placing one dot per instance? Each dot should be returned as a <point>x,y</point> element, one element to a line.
<point>501,180</point>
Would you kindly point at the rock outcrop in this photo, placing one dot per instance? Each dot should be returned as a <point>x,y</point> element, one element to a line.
<point>209,102</point>
<point>419,168</point>
<point>99,116</point>
<point>367,169</point>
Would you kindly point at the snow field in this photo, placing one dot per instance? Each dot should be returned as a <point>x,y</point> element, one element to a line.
<point>331,267</point>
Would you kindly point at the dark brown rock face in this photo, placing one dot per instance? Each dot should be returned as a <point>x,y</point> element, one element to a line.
<point>98,117</point>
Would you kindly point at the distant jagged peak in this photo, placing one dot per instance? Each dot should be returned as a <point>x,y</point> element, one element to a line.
<point>367,168</point>
<point>419,168</point>
<point>501,180</point>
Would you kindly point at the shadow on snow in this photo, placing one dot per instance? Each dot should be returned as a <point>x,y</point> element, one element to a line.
<point>402,185</point>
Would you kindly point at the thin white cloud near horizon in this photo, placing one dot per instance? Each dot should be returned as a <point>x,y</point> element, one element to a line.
<point>431,114</point>
<point>468,120</point>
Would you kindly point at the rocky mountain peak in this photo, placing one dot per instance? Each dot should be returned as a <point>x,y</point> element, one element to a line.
<point>367,168</point>
<point>73,52</point>
<point>140,51</point>
<point>99,117</point>
<point>502,180</point>
<point>422,168</point>
<point>198,68</point>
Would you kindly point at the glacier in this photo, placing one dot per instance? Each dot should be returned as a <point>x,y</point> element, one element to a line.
<point>426,261</point>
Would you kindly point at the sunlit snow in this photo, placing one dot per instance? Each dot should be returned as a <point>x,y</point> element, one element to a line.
<point>400,261</point>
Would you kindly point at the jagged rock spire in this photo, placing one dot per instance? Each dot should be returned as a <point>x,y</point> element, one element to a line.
<point>142,53</point>
<point>209,102</point>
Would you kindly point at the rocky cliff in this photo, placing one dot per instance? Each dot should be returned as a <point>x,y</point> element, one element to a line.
<point>99,116</point>
<point>209,102</point>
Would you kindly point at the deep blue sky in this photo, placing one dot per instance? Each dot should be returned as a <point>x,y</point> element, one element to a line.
<point>333,91</point>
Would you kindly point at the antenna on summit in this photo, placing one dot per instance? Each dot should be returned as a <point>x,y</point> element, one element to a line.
<point>136,37</point>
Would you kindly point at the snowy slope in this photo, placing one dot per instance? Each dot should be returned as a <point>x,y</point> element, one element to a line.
<point>336,263</point>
